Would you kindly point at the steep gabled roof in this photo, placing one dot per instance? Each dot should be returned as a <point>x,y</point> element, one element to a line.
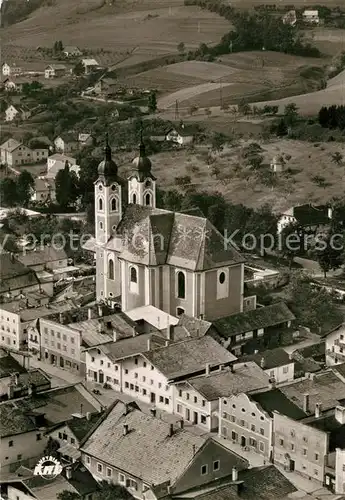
<point>271,358</point>
<point>10,145</point>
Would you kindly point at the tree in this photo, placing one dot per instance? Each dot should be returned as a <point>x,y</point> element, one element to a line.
<point>68,495</point>
<point>111,491</point>
<point>328,253</point>
<point>255,161</point>
<point>25,185</point>
<point>152,102</point>
<point>281,128</point>
<point>243,107</point>
<point>193,109</point>
<point>66,187</point>
<point>8,192</point>
<point>172,200</point>
<point>289,242</point>
<point>79,69</point>
<point>337,158</point>
<point>181,48</point>
<point>217,141</point>
<point>290,114</point>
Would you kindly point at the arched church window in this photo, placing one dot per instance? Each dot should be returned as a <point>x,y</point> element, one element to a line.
<point>111,270</point>
<point>133,275</point>
<point>100,204</point>
<point>181,285</point>
<point>148,199</point>
<point>113,205</point>
<point>134,199</point>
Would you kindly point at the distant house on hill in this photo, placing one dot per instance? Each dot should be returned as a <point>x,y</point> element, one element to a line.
<point>13,84</point>
<point>307,216</point>
<point>43,190</point>
<point>55,71</point>
<point>66,143</point>
<point>16,153</point>
<point>277,164</point>
<point>290,18</point>
<point>311,16</point>
<point>85,139</point>
<point>12,112</point>
<point>71,51</point>
<point>106,86</point>
<point>182,134</point>
<point>10,69</point>
<point>90,65</point>
<point>57,162</point>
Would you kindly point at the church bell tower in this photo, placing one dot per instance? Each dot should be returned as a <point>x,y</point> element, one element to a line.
<point>141,182</point>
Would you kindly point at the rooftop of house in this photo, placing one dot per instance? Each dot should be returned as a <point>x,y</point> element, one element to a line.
<point>245,377</point>
<point>10,145</point>
<point>339,369</point>
<point>269,359</point>
<point>327,422</point>
<point>172,238</point>
<point>14,275</point>
<point>9,365</point>
<point>315,351</point>
<point>130,346</point>
<point>306,365</point>
<point>36,377</point>
<point>44,255</point>
<point>45,185</point>
<point>259,483</point>
<point>90,62</point>
<point>324,388</point>
<point>68,137</point>
<point>188,357</point>
<point>57,405</point>
<point>248,321</point>
<point>71,48</point>
<point>184,130</point>
<point>81,426</point>
<point>152,315</point>
<point>196,327</point>
<point>31,313</point>
<point>56,66</point>
<point>309,214</point>
<point>276,400</point>
<point>63,158</point>
<point>166,458</point>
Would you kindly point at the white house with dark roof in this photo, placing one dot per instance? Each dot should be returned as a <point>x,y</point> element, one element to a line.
<point>55,71</point>
<point>20,112</point>
<point>72,51</point>
<point>276,363</point>
<point>182,135</point>
<point>152,458</point>
<point>10,69</point>
<point>335,346</point>
<point>66,143</point>
<point>16,153</point>
<point>90,65</point>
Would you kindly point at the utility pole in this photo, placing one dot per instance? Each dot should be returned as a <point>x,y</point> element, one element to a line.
<point>176,111</point>
<point>199,27</point>
<point>220,93</point>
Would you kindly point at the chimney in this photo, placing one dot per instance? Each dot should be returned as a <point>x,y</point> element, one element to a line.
<point>171,430</point>
<point>340,414</point>
<point>134,332</point>
<point>272,383</point>
<point>125,429</point>
<point>115,336</point>
<point>153,412</point>
<point>317,410</point>
<point>207,369</point>
<point>100,327</point>
<point>100,311</point>
<point>68,472</point>
<point>10,391</point>
<point>234,474</point>
<point>89,313</point>
<point>88,415</point>
<point>149,344</point>
<point>61,318</point>
<point>262,363</point>
<point>306,403</point>
<point>16,378</point>
<point>166,343</point>
<point>232,368</point>
<point>81,409</point>
<point>170,332</point>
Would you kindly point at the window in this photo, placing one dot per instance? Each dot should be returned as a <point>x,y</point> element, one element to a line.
<point>204,470</point>
<point>126,371</point>
<point>195,399</point>
<point>242,423</point>
<point>135,375</point>
<point>144,392</point>
<point>159,385</point>
<point>148,199</point>
<point>166,401</point>
<point>111,273</point>
<point>116,381</point>
<point>100,204</point>
<point>134,199</point>
<point>133,484</point>
<point>304,451</point>
<point>101,225</point>
<point>187,395</point>
<point>179,311</point>
<point>131,386</point>
<point>100,468</point>
<point>133,275</point>
<point>144,379</point>
<point>64,436</point>
<point>281,442</point>
<point>261,446</point>
<point>232,418</point>
<point>292,446</point>
<point>179,408</point>
<point>121,478</point>
<point>262,431</point>
<point>109,472</point>
<point>161,399</point>
<point>181,285</point>
<point>72,441</point>
<point>203,419</point>
<point>243,410</point>
<point>92,359</point>
<point>101,362</point>
<point>203,402</point>
<point>252,442</point>
<point>316,456</point>
<point>216,465</point>
<point>88,460</point>
<point>19,457</point>
<point>113,205</point>
<point>10,444</point>
<point>38,437</point>
<point>252,427</point>
<point>126,385</point>
<point>60,435</point>
<point>285,369</point>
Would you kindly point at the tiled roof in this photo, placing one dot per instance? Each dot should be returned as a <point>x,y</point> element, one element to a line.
<point>35,377</point>
<point>68,137</point>
<point>195,327</point>
<point>81,426</point>
<point>31,313</point>
<point>45,255</point>
<point>14,421</point>
<point>62,157</point>
<point>9,365</point>
<point>130,346</point>
<point>276,400</point>
<point>259,483</point>
<point>328,423</point>
<point>153,236</point>
<point>185,130</point>
<point>188,357</point>
<point>325,388</point>
<point>14,275</point>
<point>56,66</point>
<point>271,358</point>
<point>340,368</point>
<point>246,377</point>
<point>57,404</point>
<point>165,458</point>
<point>10,145</point>
<point>244,322</point>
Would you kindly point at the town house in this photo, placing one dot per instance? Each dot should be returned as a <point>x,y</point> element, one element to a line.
<point>66,143</point>
<point>16,153</point>
<point>55,71</point>
<point>181,135</point>
<point>276,363</point>
<point>10,69</point>
<point>175,460</point>
<point>13,113</point>
<point>335,346</point>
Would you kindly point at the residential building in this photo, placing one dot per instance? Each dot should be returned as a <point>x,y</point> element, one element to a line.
<point>70,434</point>
<point>197,399</point>
<point>16,153</point>
<point>174,272</point>
<point>10,69</point>
<point>248,331</point>
<point>71,51</point>
<point>339,486</point>
<point>311,16</point>
<point>85,139</point>
<point>278,163</point>
<point>66,143</point>
<point>335,346</point>
<point>45,258</point>
<point>181,135</point>
<point>43,190</point>
<point>57,162</point>
<point>15,277</point>
<point>74,479</point>
<point>290,18</point>
<point>176,460</point>
<point>142,368</point>
<point>24,422</point>
<point>276,363</point>
<point>90,65</point>
<point>306,216</point>
<point>13,112</point>
<point>106,86</point>
<point>55,71</point>
<point>20,384</point>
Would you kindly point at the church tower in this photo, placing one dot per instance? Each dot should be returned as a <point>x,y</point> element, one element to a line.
<point>141,182</point>
<point>108,197</point>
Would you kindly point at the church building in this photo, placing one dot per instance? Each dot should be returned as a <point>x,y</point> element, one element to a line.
<point>176,262</point>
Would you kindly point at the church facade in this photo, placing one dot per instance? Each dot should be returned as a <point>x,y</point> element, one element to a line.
<point>177,262</point>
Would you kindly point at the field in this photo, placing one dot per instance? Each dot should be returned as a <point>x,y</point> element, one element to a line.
<point>307,161</point>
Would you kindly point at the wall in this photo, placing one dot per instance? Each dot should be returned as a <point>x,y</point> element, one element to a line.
<point>25,446</point>
<point>97,362</point>
<point>188,402</point>
<point>15,494</point>
<point>304,445</point>
<point>252,424</point>
<point>233,303</point>
<point>11,330</point>
<point>283,373</point>
<point>335,347</point>
<point>340,471</point>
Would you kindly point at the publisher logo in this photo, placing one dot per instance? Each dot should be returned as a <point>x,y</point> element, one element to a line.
<point>48,468</point>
